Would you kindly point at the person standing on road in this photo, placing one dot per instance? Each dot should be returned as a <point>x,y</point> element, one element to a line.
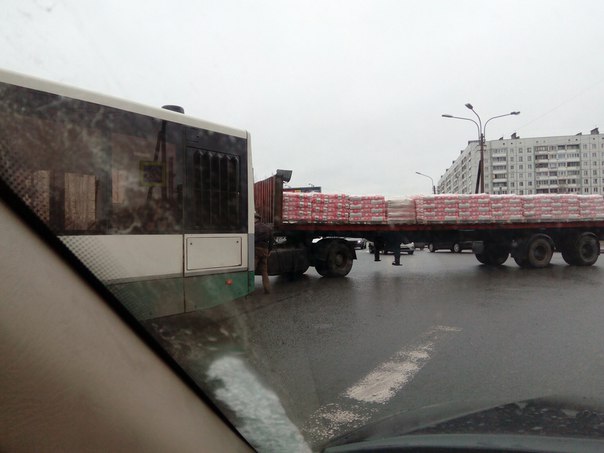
<point>263,243</point>
<point>394,244</point>
<point>378,245</point>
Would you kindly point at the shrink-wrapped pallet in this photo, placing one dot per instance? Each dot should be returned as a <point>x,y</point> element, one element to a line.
<point>591,207</point>
<point>297,207</point>
<point>330,208</point>
<point>551,207</point>
<point>475,208</point>
<point>437,208</point>
<point>367,209</point>
<point>507,208</point>
<point>401,210</point>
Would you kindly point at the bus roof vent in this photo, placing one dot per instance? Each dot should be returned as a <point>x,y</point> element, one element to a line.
<point>174,108</point>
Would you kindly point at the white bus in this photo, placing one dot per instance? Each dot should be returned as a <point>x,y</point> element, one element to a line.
<point>155,203</point>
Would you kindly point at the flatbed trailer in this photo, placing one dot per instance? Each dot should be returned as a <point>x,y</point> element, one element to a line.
<point>322,245</point>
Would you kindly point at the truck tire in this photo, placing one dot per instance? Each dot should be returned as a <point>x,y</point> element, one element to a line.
<point>493,255</point>
<point>583,250</point>
<point>568,257</point>
<point>339,260</point>
<point>456,247</point>
<point>299,272</point>
<point>539,251</point>
<point>482,258</point>
<point>498,255</point>
<point>321,268</point>
<point>431,247</point>
<point>521,261</point>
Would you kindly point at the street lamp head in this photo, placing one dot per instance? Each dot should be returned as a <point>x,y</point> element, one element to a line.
<point>468,105</point>
<point>445,115</point>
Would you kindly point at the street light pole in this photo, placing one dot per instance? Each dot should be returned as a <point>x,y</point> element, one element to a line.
<point>431,180</point>
<point>481,140</point>
<point>478,179</point>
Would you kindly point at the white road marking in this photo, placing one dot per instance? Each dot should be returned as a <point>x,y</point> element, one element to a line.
<point>357,404</point>
<point>386,380</point>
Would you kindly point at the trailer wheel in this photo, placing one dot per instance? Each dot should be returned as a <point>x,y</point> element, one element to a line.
<point>300,272</point>
<point>482,258</point>
<point>498,255</point>
<point>493,255</point>
<point>568,257</point>
<point>456,248</point>
<point>339,260</point>
<point>585,250</point>
<point>521,261</point>
<point>431,247</point>
<point>539,251</point>
<point>321,268</point>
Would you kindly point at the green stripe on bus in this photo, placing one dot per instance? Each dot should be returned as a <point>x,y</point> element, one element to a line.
<point>207,291</point>
<point>151,299</point>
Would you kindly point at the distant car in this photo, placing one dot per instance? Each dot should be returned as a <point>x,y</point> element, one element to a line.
<point>358,243</point>
<point>408,248</point>
<point>419,245</point>
<point>454,247</point>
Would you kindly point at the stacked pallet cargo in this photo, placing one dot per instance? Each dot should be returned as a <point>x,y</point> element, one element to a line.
<point>591,207</point>
<point>330,208</point>
<point>475,208</point>
<point>440,209</point>
<point>437,208</point>
<point>507,208</point>
<point>402,210</point>
<point>367,209</point>
<point>544,208</point>
<point>297,207</point>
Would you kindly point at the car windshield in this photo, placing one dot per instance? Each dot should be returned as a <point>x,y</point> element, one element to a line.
<point>291,200</point>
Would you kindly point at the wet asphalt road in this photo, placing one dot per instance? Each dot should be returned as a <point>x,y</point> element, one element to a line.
<point>441,329</point>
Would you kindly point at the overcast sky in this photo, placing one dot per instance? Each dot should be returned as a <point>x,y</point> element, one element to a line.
<point>347,94</point>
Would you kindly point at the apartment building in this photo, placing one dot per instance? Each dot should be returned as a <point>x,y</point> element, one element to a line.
<point>525,166</point>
